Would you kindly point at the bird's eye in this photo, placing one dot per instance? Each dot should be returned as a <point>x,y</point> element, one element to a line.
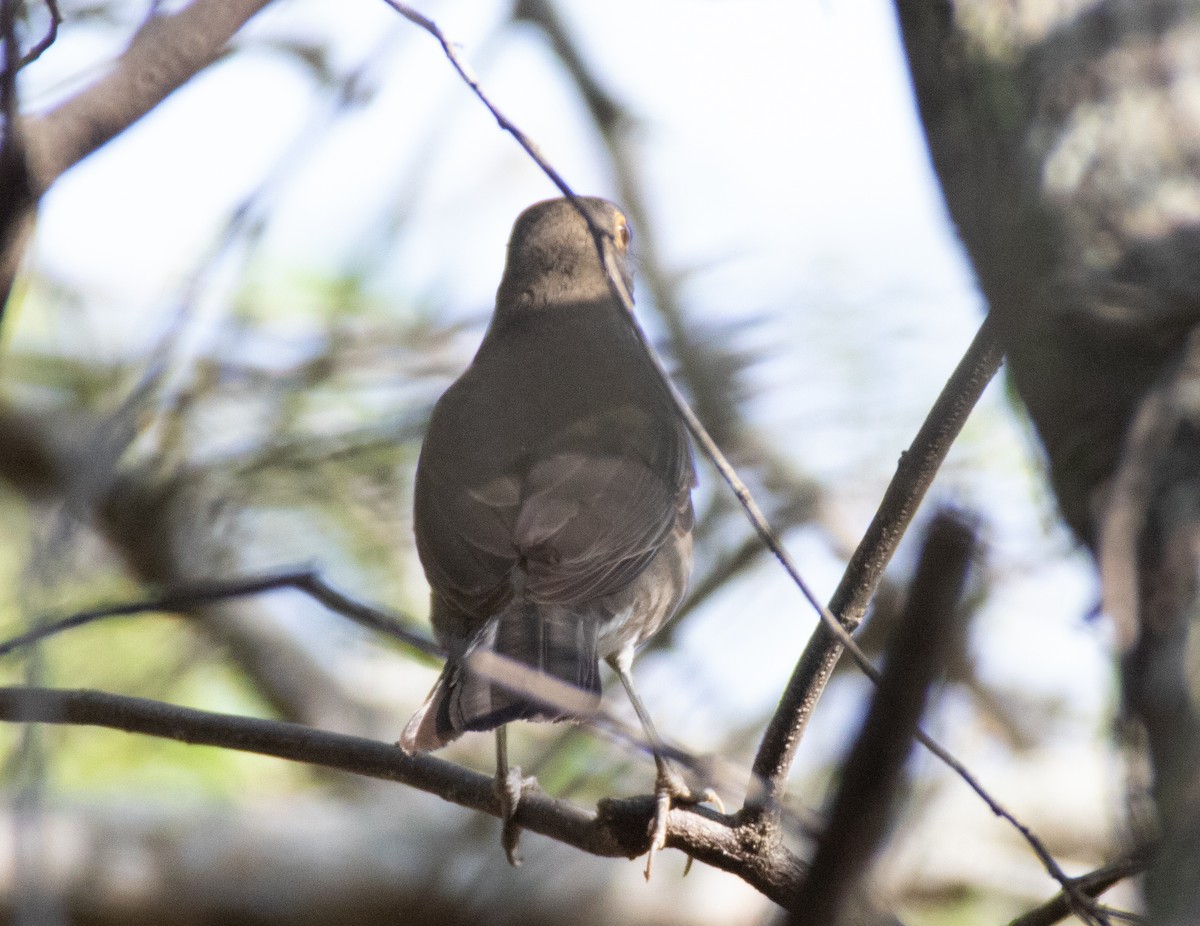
<point>622,234</point>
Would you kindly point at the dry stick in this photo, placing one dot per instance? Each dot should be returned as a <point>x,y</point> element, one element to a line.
<point>874,769</point>
<point>604,246</point>
<point>916,470</point>
<point>617,830</point>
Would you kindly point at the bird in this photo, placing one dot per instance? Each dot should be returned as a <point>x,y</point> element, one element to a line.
<point>552,503</point>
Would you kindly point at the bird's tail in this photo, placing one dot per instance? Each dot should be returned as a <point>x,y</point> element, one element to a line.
<point>530,662</point>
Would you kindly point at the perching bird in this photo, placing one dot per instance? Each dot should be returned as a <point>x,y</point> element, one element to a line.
<point>552,509</point>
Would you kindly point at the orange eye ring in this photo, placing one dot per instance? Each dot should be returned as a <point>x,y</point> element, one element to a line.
<point>622,234</point>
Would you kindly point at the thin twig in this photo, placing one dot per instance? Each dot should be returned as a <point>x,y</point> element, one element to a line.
<point>1093,884</point>
<point>468,75</point>
<point>307,580</point>
<point>47,40</point>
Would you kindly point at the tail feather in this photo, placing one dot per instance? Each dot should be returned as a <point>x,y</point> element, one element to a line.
<point>530,662</point>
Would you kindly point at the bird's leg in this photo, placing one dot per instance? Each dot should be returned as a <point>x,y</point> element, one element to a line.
<point>669,786</point>
<point>509,784</point>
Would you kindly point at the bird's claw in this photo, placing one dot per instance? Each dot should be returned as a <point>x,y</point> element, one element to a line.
<point>670,790</point>
<point>508,790</point>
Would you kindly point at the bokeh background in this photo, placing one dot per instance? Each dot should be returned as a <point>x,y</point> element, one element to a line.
<point>236,316</point>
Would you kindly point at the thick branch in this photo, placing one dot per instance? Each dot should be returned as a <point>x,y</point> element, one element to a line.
<point>618,830</point>
<point>166,51</point>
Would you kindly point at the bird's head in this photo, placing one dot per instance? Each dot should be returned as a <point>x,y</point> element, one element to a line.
<point>552,255</point>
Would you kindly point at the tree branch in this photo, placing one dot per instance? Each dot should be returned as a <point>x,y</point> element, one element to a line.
<point>186,598</point>
<point>164,53</point>
<point>874,770</point>
<point>48,39</point>
<point>1093,884</point>
<point>618,829</point>
<point>150,522</point>
<point>915,472</point>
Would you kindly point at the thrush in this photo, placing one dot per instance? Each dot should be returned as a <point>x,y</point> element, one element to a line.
<point>552,506</point>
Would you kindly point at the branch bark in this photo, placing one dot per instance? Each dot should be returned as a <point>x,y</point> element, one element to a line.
<point>617,829</point>
<point>917,468</point>
<point>874,770</point>
<point>164,54</point>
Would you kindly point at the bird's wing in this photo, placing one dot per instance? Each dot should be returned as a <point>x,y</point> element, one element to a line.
<point>580,503</point>
<point>588,525</point>
<point>464,537</point>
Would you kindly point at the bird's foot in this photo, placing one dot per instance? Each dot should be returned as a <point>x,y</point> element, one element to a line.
<point>671,790</point>
<point>509,787</point>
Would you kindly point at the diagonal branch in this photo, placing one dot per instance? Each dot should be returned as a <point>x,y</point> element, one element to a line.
<point>1093,884</point>
<point>915,472</point>
<point>163,55</point>
<point>874,770</point>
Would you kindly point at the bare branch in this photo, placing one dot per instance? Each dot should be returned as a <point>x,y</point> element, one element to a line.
<point>48,39</point>
<point>164,53</point>
<point>69,458</point>
<point>874,770</point>
<point>1093,884</point>
<point>618,829</point>
<point>915,472</point>
<point>1082,355</point>
<point>512,674</point>
<point>468,75</point>
<point>185,598</point>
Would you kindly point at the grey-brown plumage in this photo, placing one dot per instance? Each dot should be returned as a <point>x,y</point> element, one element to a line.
<point>553,505</point>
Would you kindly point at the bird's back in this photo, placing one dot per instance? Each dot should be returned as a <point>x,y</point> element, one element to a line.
<point>552,505</point>
<point>556,455</point>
